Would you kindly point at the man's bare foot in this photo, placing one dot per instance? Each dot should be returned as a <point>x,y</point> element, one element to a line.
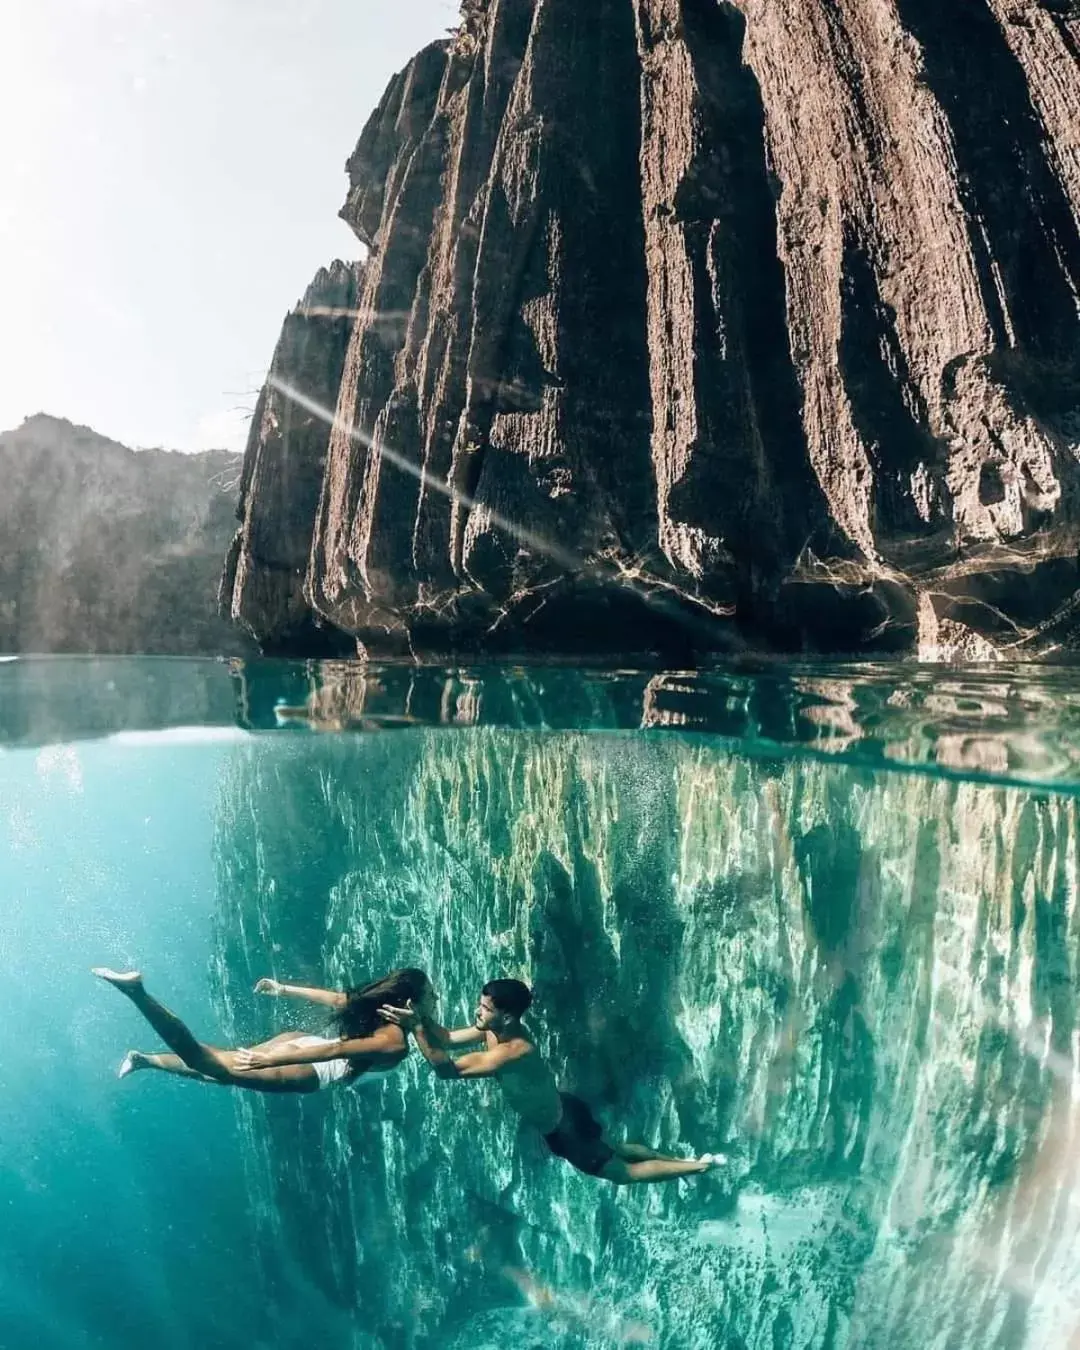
<point>125,981</point>
<point>710,1161</point>
<point>133,1060</point>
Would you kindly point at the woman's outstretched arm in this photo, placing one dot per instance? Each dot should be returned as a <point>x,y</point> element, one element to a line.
<point>329,998</point>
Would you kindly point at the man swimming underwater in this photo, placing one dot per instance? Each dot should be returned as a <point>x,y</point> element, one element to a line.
<point>528,1085</point>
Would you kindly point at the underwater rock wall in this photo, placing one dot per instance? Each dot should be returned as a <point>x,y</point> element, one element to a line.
<point>863,986</point>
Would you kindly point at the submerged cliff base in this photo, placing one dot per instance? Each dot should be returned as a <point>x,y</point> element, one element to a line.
<point>691,326</point>
<point>861,985</point>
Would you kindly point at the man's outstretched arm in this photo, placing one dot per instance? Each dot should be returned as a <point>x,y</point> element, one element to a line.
<point>443,1037</point>
<point>433,1041</point>
<point>437,1035</point>
<point>484,1064</point>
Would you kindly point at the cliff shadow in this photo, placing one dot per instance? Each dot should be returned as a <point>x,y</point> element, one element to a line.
<point>749,478</point>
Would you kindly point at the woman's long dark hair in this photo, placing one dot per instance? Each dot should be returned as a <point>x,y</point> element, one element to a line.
<point>360,1015</point>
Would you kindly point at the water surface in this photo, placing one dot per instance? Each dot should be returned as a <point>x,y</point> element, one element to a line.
<point>823,918</point>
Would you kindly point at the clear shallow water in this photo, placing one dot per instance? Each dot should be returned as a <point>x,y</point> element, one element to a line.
<point>826,919</point>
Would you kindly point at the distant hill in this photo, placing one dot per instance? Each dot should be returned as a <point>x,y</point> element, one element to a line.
<point>107,549</point>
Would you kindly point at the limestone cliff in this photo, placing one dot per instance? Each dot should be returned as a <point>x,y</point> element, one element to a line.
<point>263,585</point>
<point>106,549</point>
<point>691,323</point>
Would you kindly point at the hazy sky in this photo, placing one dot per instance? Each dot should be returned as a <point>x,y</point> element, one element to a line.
<point>170,176</point>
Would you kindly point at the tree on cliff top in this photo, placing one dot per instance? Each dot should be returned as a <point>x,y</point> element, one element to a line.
<point>471,29</point>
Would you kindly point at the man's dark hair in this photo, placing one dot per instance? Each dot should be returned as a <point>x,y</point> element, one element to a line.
<point>509,996</point>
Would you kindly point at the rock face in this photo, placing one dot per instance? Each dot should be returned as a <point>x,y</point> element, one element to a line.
<point>106,549</point>
<point>263,585</point>
<point>696,324</point>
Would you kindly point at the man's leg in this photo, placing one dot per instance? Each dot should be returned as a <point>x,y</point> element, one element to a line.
<point>635,1163</point>
<point>624,1173</point>
<point>205,1060</point>
<point>636,1152</point>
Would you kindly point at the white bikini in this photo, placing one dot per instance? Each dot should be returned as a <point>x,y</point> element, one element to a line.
<point>329,1071</point>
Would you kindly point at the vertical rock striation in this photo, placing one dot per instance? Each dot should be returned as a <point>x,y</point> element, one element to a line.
<point>690,323</point>
<point>262,588</point>
<point>864,985</point>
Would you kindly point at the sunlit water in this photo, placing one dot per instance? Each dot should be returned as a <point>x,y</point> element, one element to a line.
<point>825,920</point>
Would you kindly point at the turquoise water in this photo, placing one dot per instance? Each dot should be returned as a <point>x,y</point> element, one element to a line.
<point>823,919</point>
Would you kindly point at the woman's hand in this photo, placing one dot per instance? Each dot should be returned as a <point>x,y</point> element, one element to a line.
<point>267,986</point>
<point>407,1018</point>
<point>247,1060</point>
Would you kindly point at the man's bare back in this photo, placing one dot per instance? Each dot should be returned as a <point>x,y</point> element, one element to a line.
<point>527,1083</point>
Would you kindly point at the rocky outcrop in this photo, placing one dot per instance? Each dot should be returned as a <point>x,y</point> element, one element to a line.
<point>106,549</point>
<point>263,586</point>
<point>699,324</point>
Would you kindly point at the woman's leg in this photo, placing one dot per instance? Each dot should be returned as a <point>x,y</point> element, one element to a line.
<point>206,1060</point>
<point>138,1059</point>
<point>283,1039</point>
<point>135,1060</point>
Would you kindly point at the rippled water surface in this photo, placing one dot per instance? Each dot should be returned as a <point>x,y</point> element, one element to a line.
<point>824,919</point>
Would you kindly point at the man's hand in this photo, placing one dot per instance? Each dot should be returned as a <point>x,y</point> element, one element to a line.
<point>407,1018</point>
<point>267,986</point>
<point>251,1059</point>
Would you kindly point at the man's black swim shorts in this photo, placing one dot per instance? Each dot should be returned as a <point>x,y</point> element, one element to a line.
<point>578,1138</point>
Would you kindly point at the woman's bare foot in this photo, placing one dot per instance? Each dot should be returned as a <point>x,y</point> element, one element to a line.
<point>125,981</point>
<point>133,1060</point>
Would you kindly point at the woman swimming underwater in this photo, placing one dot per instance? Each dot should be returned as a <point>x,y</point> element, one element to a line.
<point>293,1061</point>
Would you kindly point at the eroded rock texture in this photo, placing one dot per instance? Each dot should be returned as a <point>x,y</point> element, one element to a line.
<point>763,317</point>
<point>863,985</point>
<point>263,586</point>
